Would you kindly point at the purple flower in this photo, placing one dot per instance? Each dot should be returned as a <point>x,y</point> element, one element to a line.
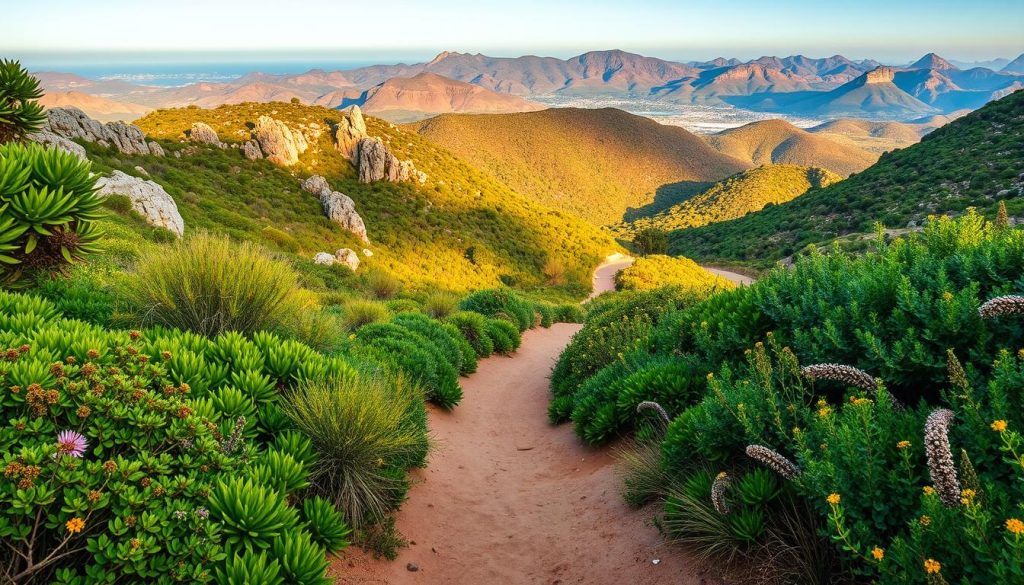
<point>202,513</point>
<point>71,443</point>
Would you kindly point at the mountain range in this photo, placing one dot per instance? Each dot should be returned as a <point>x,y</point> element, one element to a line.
<point>797,84</point>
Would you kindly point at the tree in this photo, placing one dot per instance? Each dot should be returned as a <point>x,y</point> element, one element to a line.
<point>20,114</point>
<point>651,241</point>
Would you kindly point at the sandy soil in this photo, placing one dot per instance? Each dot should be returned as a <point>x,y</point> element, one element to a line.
<point>507,498</point>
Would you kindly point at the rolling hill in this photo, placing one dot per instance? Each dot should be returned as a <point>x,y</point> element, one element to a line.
<point>458,230</point>
<point>779,142</point>
<point>974,161</point>
<point>740,194</point>
<point>872,135</point>
<point>100,108</point>
<point>598,164</point>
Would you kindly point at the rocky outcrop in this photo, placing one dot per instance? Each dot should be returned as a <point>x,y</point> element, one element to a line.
<point>349,132</point>
<point>251,150</point>
<point>375,162</point>
<point>155,149</point>
<point>278,142</point>
<point>347,257</point>
<point>72,123</point>
<point>202,133</point>
<point>324,259</point>
<point>148,198</point>
<point>47,138</point>
<point>337,206</point>
<point>880,75</point>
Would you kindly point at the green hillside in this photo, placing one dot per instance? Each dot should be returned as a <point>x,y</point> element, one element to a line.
<point>972,162</point>
<point>736,196</point>
<point>460,230</point>
<point>597,163</point>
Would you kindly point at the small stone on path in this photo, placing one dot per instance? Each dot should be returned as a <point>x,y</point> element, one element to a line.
<point>412,567</point>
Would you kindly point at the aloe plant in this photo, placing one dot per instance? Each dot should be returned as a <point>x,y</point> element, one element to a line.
<point>20,113</point>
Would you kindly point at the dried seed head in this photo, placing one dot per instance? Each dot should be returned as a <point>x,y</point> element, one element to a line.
<point>774,461</point>
<point>650,405</point>
<point>846,374</point>
<point>1000,306</point>
<point>718,491</point>
<point>940,458</point>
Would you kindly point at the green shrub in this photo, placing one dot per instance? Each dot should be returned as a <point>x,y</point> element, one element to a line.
<point>435,331</point>
<point>252,515</point>
<point>361,428</point>
<point>357,313</point>
<point>440,304</point>
<point>20,112</point>
<point>381,284</point>
<point>504,336</point>
<point>325,524</point>
<point>546,314</point>
<point>48,208</point>
<point>403,306</point>
<point>250,569</point>
<point>500,303</point>
<point>568,313</point>
<point>302,560</point>
<point>474,329</point>
<point>658,271</point>
<point>208,285</point>
<point>417,356</point>
<point>282,239</point>
<point>651,241</point>
<point>469,357</point>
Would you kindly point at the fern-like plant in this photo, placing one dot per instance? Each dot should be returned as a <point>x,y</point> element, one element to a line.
<point>20,113</point>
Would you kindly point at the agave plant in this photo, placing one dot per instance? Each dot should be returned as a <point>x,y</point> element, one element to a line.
<point>325,523</point>
<point>253,515</point>
<point>48,204</point>
<point>20,113</point>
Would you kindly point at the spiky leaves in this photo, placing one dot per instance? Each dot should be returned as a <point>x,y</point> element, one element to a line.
<point>20,113</point>
<point>940,458</point>
<point>48,204</point>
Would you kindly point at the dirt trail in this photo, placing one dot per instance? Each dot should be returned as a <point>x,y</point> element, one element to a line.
<point>508,499</point>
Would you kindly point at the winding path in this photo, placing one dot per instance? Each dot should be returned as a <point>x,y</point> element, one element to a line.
<point>508,499</point>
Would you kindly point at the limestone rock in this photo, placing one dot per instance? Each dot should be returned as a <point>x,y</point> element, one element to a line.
<point>155,149</point>
<point>337,206</point>
<point>47,138</point>
<point>203,134</point>
<point>72,123</point>
<point>278,142</point>
<point>251,150</point>
<point>348,257</point>
<point>367,252</point>
<point>375,162</point>
<point>349,132</point>
<point>148,198</point>
<point>324,259</point>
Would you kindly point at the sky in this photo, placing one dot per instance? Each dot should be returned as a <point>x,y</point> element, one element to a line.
<point>392,30</point>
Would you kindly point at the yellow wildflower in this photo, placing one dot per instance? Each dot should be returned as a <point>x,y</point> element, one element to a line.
<point>999,426</point>
<point>903,444</point>
<point>931,566</point>
<point>925,520</point>
<point>824,412</point>
<point>834,499</point>
<point>967,496</point>
<point>947,296</point>
<point>75,525</point>
<point>1015,526</point>
<point>928,490</point>
<point>878,553</point>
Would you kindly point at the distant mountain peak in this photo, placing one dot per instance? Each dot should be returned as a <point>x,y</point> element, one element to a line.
<point>933,61</point>
<point>878,75</point>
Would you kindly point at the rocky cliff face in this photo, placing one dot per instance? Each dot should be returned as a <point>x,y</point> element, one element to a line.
<point>337,206</point>
<point>279,143</point>
<point>349,132</point>
<point>375,162</point>
<point>71,123</point>
<point>148,198</point>
<point>880,75</point>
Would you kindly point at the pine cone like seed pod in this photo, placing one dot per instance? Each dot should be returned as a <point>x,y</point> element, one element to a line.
<point>718,491</point>
<point>1000,306</point>
<point>940,458</point>
<point>838,372</point>
<point>774,461</point>
<point>650,405</point>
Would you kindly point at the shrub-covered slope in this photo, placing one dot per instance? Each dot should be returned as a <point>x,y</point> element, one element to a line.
<point>972,162</point>
<point>462,229</point>
<point>596,163</point>
<point>736,196</point>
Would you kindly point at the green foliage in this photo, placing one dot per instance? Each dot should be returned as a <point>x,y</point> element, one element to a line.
<point>48,208</point>
<point>440,304</point>
<point>250,569</point>
<point>325,524</point>
<point>302,560</point>
<point>449,342</point>
<point>366,429</point>
<point>504,335</point>
<point>473,327</point>
<point>500,304</point>
<point>381,284</point>
<point>20,112</point>
<point>416,355</point>
<point>657,271</point>
<point>961,165</point>
<point>651,240</point>
<point>252,515</point>
<point>358,312</point>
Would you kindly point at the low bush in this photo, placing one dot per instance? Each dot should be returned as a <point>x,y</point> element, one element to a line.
<point>434,331</point>
<point>651,272</point>
<point>364,438</point>
<point>381,284</point>
<point>417,356</point>
<point>500,303</point>
<point>440,304</point>
<point>504,336</point>
<point>209,285</point>
<point>473,327</point>
<point>358,312</point>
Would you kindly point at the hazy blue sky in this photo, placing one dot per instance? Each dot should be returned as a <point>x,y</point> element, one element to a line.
<point>680,29</point>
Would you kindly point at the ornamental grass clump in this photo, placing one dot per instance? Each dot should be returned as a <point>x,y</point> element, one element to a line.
<point>365,431</point>
<point>208,285</point>
<point>941,468</point>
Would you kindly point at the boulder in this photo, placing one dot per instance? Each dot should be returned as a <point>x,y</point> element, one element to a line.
<point>375,162</point>
<point>155,149</point>
<point>324,259</point>
<point>251,150</point>
<point>348,257</point>
<point>337,206</point>
<point>367,253</point>
<point>278,143</point>
<point>47,138</point>
<point>349,132</point>
<point>202,133</point>
<point>72,123</point>
<point>148,198</point>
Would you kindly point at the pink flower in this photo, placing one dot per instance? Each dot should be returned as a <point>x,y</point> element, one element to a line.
<point>71,443</point>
